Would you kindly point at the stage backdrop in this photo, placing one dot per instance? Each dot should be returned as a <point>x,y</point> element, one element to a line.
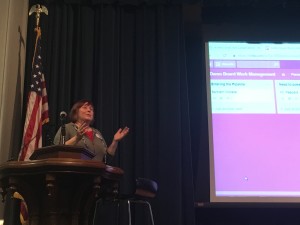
<point>129,58</point>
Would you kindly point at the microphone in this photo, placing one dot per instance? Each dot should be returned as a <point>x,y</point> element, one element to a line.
<point>63,115</point>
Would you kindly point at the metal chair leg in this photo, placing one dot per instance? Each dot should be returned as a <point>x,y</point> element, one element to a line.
<point>140,202</point>
<point>150,210</point>
<point>129,211</point>
<point>95,210</point>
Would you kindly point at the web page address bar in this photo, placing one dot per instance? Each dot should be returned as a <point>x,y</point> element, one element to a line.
<point>260,64</point>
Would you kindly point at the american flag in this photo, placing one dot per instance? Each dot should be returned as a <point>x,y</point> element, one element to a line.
<point>37,105</point>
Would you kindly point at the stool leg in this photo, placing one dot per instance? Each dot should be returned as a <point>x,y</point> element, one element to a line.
<point>96,206</point>
<point>140,202</point>
<point>150,210</point>
<point>129,211</point>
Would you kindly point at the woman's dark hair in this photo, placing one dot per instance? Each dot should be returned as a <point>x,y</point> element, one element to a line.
<point>74,110</point>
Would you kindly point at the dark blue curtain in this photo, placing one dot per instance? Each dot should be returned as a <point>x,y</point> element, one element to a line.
<point>129,58</point>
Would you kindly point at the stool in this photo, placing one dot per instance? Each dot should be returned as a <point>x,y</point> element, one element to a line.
<point>144,189</point>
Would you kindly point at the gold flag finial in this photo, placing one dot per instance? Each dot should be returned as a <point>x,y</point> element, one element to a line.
<point>38,9</point>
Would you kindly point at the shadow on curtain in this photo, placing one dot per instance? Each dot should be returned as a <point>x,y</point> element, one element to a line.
<point>129,59</point>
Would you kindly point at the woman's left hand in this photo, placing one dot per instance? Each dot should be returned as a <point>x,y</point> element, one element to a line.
<point>121,133</point>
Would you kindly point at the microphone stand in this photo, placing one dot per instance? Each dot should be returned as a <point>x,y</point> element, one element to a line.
<point>63,131</point>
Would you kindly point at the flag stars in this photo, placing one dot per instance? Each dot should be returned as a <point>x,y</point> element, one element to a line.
<point>37,73</point>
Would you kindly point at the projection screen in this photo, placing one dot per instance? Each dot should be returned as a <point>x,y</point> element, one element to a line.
<point>253,94</point>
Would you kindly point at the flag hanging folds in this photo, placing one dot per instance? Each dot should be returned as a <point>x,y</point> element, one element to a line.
<point>37,105</point>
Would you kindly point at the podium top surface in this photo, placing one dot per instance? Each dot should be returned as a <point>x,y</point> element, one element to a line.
<point>62,151</point>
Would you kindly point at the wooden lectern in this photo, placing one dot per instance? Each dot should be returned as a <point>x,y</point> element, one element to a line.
<point>60,184</point>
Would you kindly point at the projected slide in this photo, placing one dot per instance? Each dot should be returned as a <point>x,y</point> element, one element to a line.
<point>254,121</point>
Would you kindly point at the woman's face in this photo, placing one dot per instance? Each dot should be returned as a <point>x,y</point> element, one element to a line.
<point>86,113</point>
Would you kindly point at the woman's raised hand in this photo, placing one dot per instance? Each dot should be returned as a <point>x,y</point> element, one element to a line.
<point>121,133</point>
<point>81,129</point>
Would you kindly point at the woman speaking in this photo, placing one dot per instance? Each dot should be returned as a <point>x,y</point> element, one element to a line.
<point>79,131</point>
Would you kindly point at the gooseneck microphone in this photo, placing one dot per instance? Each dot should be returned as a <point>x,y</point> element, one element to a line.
<point>62,117</point>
